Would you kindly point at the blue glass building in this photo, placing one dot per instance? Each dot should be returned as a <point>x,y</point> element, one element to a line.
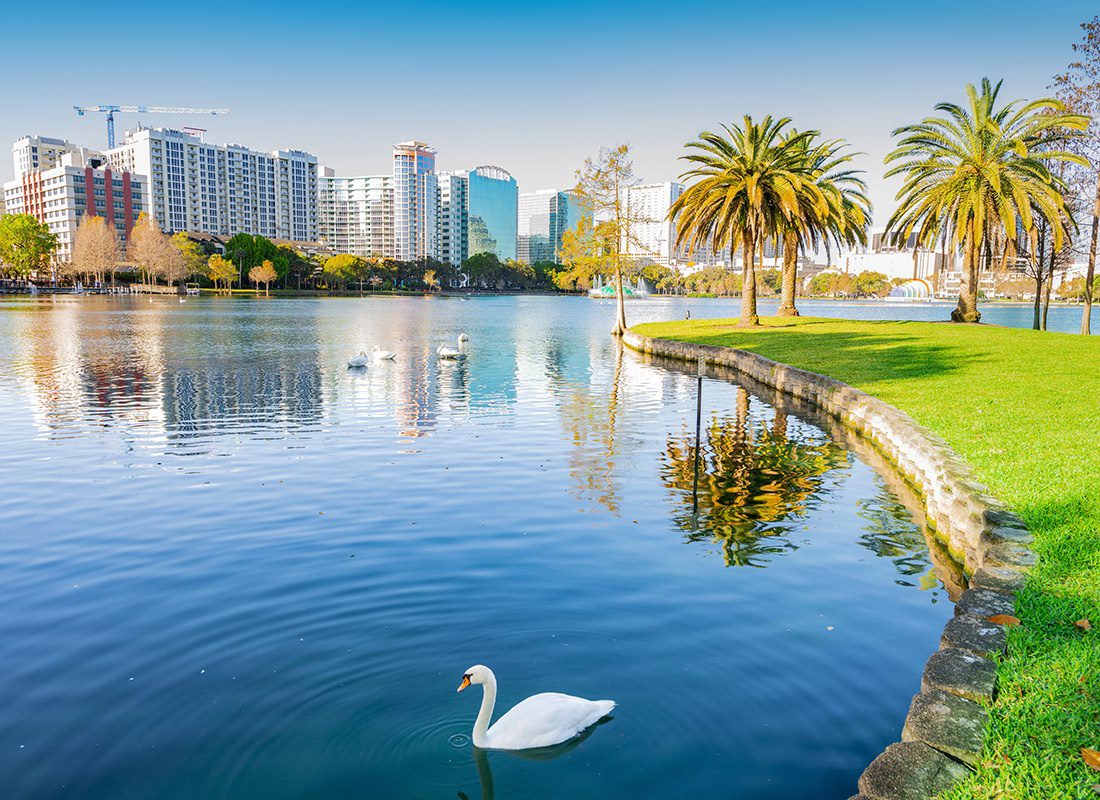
<point>544,217</point>
<point>492,208</point>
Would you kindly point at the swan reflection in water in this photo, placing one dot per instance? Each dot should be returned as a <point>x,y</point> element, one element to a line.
<point>485,772</point>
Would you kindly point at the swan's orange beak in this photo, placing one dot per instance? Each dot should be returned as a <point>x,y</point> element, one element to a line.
<point>464,684</point>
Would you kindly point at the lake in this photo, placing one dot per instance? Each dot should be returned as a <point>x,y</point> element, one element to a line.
<point>234,568</point>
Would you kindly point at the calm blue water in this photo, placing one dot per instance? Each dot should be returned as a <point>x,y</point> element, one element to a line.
<point>232,568</point>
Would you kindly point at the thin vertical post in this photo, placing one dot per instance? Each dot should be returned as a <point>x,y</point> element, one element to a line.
<point>702,367</point>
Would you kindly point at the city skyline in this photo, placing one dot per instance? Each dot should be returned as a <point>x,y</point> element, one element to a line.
<point>648,78</point>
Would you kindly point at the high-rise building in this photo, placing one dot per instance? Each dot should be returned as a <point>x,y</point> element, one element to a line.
<point>492,206</point>
<point>79,184</point>
<point>654,231</point>
<point>31,153</point>
<point>415,202</point>
<point>479,211</point>
<point>355,215</point>
<point>222,189</point>
<point>544,217</point>
<point>453,217</point>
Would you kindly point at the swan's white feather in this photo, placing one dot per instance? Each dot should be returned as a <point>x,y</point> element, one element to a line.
<point>543,720</point>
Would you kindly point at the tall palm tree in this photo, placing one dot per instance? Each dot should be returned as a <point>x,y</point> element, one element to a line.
<point>837,212</point>
<point>749,179</point>
<point>977,172</point>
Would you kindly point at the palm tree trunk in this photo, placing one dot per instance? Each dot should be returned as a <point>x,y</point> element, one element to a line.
<point>1090,273</point>
<point>967,308</point>
<point>1046,292</point>
<point>790,275</point>
<point>1038,298</point>
<point>749,316</point>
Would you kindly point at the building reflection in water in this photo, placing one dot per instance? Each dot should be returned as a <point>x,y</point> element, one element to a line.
<point>155,379</point>
<point>179,382</point>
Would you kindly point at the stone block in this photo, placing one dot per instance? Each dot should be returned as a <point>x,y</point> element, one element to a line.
<point>1002,516</point>
<point>951,724</point>
<point>985,603</point>
<point>909,771</point>
<point>1005,534</point>
<point>961,673</point>
<point>1003,579</point>
<point>1007,554</point>
<point>980,637</point>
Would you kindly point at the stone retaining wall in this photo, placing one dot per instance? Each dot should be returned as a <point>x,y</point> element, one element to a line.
<point>943,732</point>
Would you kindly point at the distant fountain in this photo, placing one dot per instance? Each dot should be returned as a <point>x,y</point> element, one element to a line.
<point>917,289</point>
<point>605,291</point>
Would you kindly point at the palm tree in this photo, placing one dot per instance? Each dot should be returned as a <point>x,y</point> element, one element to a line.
<point>838,211</point>
<point>749,181</point>
<point>979,172</point>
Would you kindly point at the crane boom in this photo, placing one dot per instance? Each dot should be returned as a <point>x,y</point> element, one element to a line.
<point>110,110</point>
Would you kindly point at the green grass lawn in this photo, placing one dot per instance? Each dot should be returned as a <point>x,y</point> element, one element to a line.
<point>1023,408</point>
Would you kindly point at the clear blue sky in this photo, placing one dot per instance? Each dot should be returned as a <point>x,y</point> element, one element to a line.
<point>531,87</point>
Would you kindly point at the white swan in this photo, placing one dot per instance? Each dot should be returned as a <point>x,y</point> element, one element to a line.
<point>463,338</point>
<point>542,720</point>
<point>359,360</point>
<point>448,352</point>
<point>383,355</point>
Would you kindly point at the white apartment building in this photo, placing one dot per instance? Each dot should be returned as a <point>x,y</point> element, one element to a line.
<point>79,184</point>
<point>222,189</point>
<point>897,260</point>
<point>355,214</point>
<point>453,217</point>
<point>31,153</point>
<point>654,233</point>
<point>415,201</point>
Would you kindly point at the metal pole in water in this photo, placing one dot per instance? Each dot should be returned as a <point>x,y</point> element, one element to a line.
<point>702,368</point>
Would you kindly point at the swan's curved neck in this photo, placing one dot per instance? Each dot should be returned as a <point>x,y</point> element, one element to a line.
<point>488,700</point>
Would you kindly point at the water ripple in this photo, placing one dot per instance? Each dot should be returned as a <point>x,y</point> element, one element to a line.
<point>234,569</point>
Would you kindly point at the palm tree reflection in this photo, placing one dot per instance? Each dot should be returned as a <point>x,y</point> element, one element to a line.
<point>752,478</point>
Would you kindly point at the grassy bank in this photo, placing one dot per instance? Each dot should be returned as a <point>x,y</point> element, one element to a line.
<point>1023,408</point>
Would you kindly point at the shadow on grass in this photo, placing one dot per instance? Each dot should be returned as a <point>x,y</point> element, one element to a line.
<point>848,356</point>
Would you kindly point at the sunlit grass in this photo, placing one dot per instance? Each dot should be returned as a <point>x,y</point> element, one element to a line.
<point>1023,408</point>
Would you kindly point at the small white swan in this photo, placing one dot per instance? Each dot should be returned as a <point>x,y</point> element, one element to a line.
<point>542,720</point>
<point>448,352</point>
<point>463,338</point>
<point>383,355</point>
<point>359,360</point>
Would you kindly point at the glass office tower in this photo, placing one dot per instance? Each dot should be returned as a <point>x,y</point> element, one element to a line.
<point>492,207</point>
<point>544,217</point>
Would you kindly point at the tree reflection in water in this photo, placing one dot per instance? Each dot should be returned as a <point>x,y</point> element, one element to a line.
<point>590,425</point>
<point>889,533</point>
<point>752,478</point>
